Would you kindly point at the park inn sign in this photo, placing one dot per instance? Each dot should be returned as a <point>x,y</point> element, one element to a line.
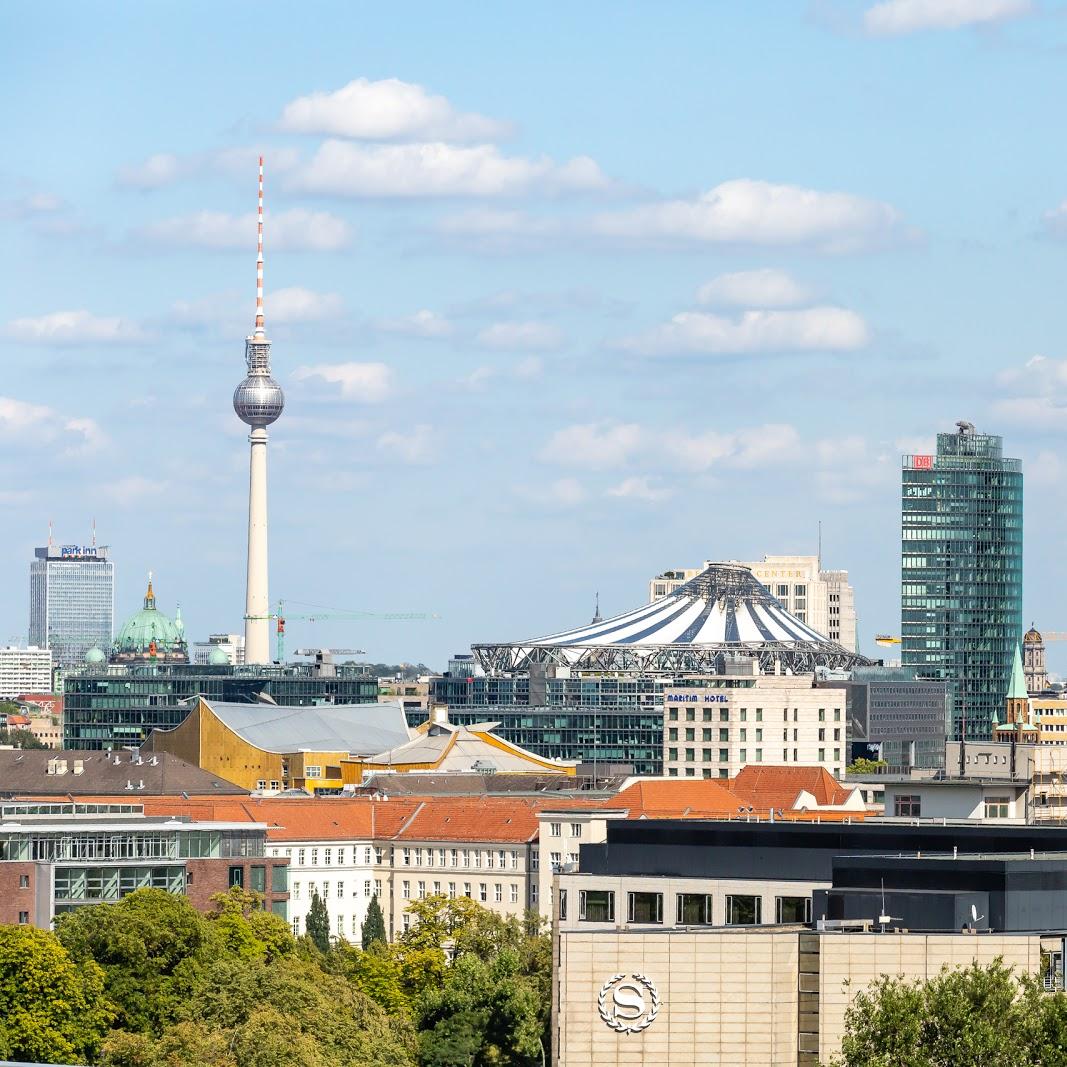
<point>628,1003</point>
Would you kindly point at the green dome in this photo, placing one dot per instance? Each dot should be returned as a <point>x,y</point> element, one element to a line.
<point>217,657</point>
<point>149,633</point>
<point>95,656</point>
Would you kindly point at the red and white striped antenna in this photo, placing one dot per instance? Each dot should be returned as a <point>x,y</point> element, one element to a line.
<point>259,257</point>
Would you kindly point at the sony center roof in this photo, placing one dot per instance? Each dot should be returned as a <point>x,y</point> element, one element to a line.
<point>723,611</point>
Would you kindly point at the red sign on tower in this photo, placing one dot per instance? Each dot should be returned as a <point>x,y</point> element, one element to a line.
<point>922,463</point>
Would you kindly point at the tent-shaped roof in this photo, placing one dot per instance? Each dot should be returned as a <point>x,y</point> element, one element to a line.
<point>443,746</point>
<point>359,729</point>
<point>724,609</point>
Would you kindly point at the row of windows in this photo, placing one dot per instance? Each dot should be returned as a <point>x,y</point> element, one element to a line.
<point>691,909</point>
<point>482,893</point>
<point>707,755</point>
<point>369,889</point>
<point>742,734</point>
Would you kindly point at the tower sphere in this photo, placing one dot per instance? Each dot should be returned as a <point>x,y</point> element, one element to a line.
<point>258,400</point>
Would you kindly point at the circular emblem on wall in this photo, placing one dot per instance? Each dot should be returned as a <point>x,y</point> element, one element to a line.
<point>628,1003</point>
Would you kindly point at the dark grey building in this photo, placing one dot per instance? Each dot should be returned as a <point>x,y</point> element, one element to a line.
<point>962,572</point>
<point>120,706</point>
<point>896,717</point>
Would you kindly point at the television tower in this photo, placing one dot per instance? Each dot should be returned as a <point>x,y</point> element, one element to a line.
<point>258,401</point>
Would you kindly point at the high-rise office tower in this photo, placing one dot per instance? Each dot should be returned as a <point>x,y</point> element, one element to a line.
<point>961,606</point>
<point>258,401</point>
<point>72,601</point>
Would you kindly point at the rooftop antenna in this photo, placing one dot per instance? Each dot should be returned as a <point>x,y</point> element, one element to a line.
<point>596,613</point>
<point>51,542</point>
<point>92,526</point>
<point>820,546</point>
<point>260,332</point>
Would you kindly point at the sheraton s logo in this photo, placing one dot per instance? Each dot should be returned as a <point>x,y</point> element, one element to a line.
<point>628,1003</point>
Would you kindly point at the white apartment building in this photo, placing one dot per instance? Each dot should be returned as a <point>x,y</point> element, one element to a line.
<point>232,646</point>
<point>712,732</point>
<point>24,670</point>
<point>819,598</point>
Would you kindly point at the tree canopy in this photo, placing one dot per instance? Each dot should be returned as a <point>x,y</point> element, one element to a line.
<point>967,1017</point>
<point>151,982</point>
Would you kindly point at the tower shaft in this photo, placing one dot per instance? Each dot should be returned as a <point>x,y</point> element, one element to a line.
<point>257,603</point>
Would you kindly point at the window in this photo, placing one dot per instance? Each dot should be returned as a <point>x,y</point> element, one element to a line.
<point>327,856</point>
<point>744,735</point>
<point>909,806</point>
<point>340,925</point>
<point>406,854</point>
<point>705,735</point>
<point>366,855</point>
<point>596,905</point>
<point>690,734</point>
<point>724,735</point>
<point>466,889</point>
<point>258,879</point>
<point>694,909</point>
<point>366,888</point>
<point>325,890</point>
<point>690,755</point>
<point>556,859</point>
<point>997,807</point>
<point>314,857</point>
<point>300,857</point>
<point>563,904</point>
<point>759,714</point>
<point>311,771</point>
<point>377,887</point>
<point>837,714</point>
<point>454,857</point>
<point>672,754</point>
<point>724,755</point>
<point>483,892</point>
<point>759,755</point>
<point>406,893</point>
<point>477,857</point>
<point>744,714</point>
<point>466,857</point>
<point>437,889</point>
<point>515,893</point>
<point>822,755</point>
<point>645,907</point>
<point>743,755</point>
<point>441,857</point>
<point>822,733</point>
<point>555,829</point>
<point>822,714</point>
<point>672,733</point>
<point>24,918</point>
<point>743,910</point>
<point>418,857</point>
<point>501,854</point>
<point>706,753</point>
<point>355,925</point>
<point>237,877</point>
<point>451,890</point>
<point>261,783</point>
<point>296,890</point>
<point>792,909</point>
<point>759,733</point>
<point>24,881</point>
<point>576,829</point>
<point>422,890</point>
<point>341,855</point>
<point>407,921</point>
<point>498,893</point>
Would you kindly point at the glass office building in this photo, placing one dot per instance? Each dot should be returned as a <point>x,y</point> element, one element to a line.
<point>117,706</point>
<point>72,601</point>
<point>962,572</point>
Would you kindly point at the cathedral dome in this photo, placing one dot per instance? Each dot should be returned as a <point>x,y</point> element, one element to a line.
<point>1032,637</point>
<point>150,635</point>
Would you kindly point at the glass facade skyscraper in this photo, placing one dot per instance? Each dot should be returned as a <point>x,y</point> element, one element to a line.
<point>72,601</point>
<point>962,572</point>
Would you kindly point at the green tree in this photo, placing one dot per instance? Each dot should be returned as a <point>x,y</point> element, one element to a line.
<point>52,1009</point>
<point>377,973</point>
<point>964,1017</point>
<point>862,765</point>
<point>247,928</point>
<point>141,943</point>
<point>318,924</point>
<point>373,928</point>
<point>20,738</point>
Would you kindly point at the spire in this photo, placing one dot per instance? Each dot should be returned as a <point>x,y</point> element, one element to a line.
<point>260,332</point>
<point>1017,686</point>
<point>149,597</point>
<point>596,613</point>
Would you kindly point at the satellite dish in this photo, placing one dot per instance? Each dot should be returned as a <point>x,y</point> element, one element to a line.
<point>975,917</point>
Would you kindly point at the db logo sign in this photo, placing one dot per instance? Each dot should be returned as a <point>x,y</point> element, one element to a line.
<point>628,1003</point>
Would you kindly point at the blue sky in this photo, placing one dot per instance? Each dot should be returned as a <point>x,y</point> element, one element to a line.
<point>561,295</point>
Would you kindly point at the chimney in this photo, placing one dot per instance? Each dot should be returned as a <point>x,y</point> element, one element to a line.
<point>140,783</point>
<point>129,784</point>
<point>79,766</point>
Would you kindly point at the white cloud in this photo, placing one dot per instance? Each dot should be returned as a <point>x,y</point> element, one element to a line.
<point>826,329</point>
<point>74,328</point>
<point>893,17</point>
<point>594,445</point>
<point>387,110</point>
<point>530,367</point>
<point>417,445</point>
<point>520,336</point>
<point>31,206</point>
<point>747,211</point>
<point>767,288</point>
<point>915,446</point>
<point>44,425</point>
<point>561,493</point>
<point>295,230</point>
<point>157,170</point>
<point>135,487</point>
<point>297,304</point>
<point>640,488</point>
<point>1040,400</point>
<point>436,169</point>
<point>369,383</point>
<point>423,323</point>
<point>752,447</point>
<point>1055,220</point>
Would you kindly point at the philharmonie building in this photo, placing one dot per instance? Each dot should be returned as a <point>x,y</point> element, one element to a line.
<point>702,681</point>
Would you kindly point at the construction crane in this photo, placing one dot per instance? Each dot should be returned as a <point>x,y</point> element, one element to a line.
<point>886,640</point>
<point>280,617</point>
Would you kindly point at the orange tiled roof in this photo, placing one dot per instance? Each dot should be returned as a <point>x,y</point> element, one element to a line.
<point>767,786</point>
<point>688,798</point>
<point>479,818</point>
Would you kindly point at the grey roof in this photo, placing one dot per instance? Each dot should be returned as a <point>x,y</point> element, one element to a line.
<point>24,772</point>
<point>358,729</point>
